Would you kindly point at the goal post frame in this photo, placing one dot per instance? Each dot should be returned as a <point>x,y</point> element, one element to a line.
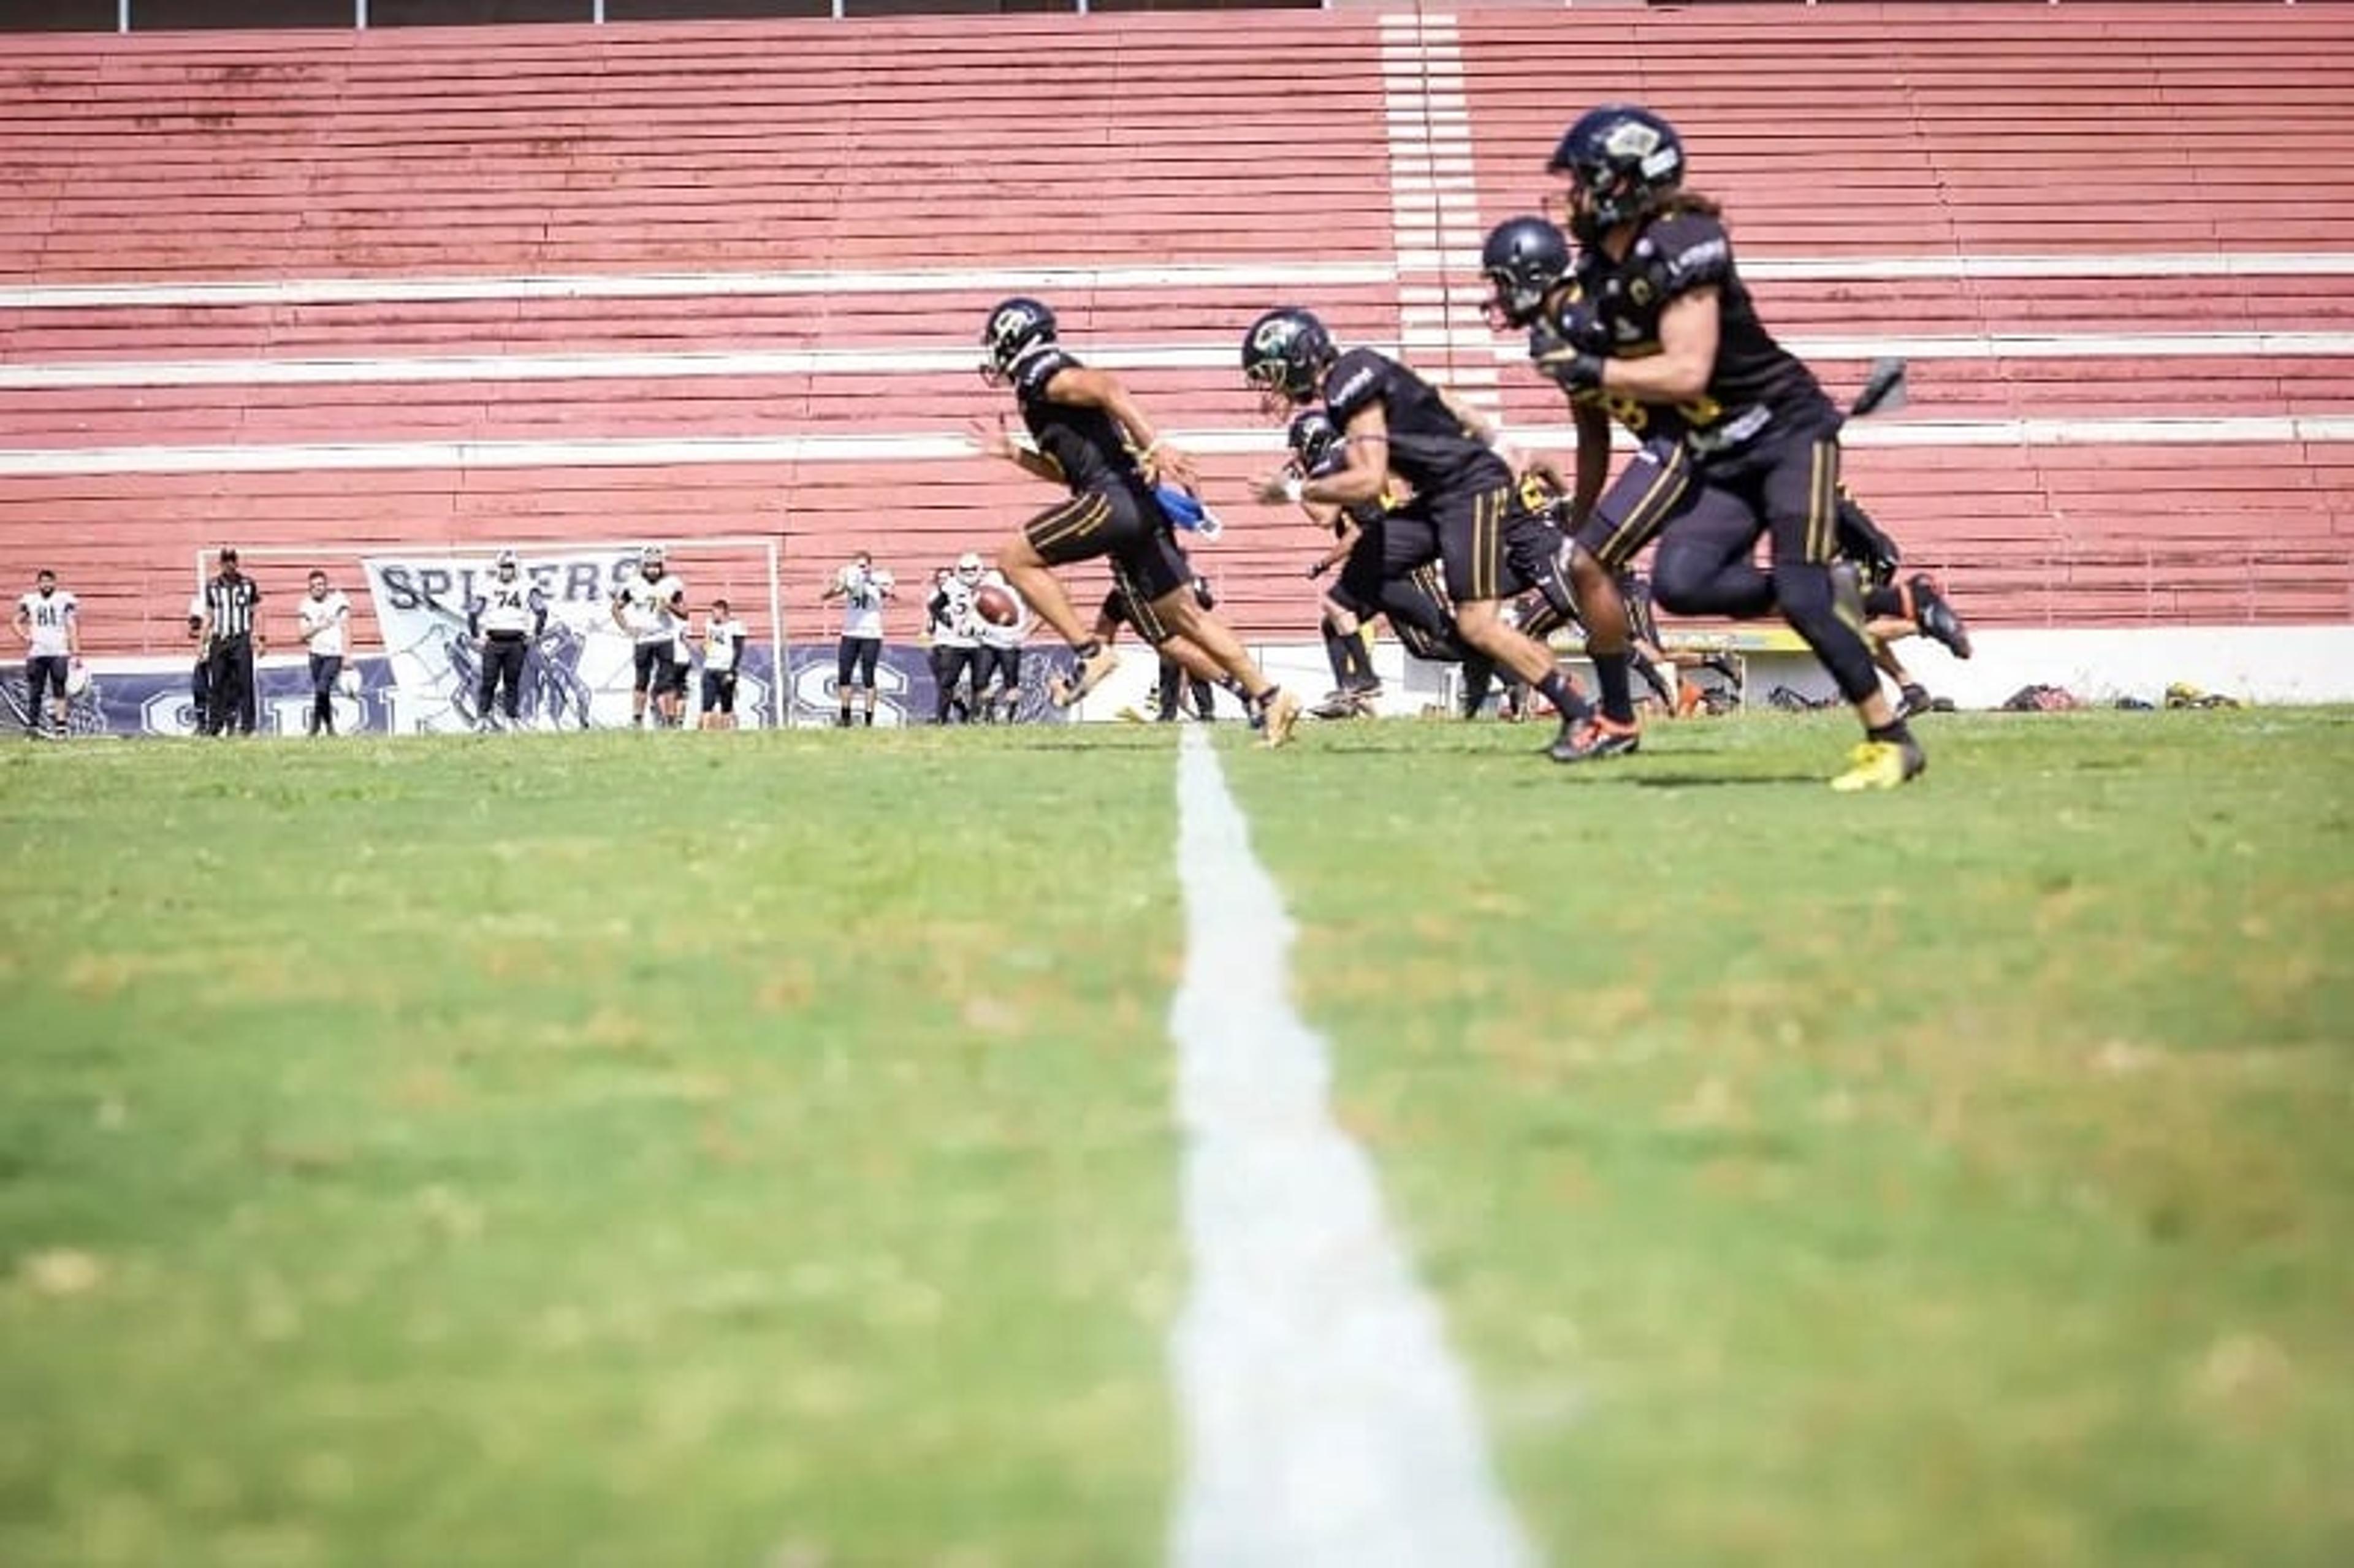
<point>771,546</point>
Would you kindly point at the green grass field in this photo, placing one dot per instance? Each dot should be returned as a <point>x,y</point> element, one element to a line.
<point>755,1150</point>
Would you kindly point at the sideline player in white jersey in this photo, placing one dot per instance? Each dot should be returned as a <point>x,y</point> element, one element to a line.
<point>956,640</point>
<point>862,587</point>
<point>997,673</point>
<point>652,608</point>
<point>324,617</point>
<point>723,660</point>
<point>49,620</point>
<point>506,616</point>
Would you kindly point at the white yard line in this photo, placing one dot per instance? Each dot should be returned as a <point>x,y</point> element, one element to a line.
<point>371,369</point>
<point>915,446</point>
<point>1325,1422</point>
<point>1297,278</point>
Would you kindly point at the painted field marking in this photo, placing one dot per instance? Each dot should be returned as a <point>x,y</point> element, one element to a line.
<point>1325,1422</point>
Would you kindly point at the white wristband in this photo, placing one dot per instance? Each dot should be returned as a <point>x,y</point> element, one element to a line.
<point>1292,488</point>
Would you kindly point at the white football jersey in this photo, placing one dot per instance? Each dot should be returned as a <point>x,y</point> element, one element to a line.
<point>645,607</point>
<point>507,606</point>
<point>723,644</point>
<point>861,601</point>
<point>956,624</point>
<point>51,615</point>
<point>323,621</point>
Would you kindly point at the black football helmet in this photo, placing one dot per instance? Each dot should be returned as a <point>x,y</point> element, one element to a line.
<point>1620,159</point>
<point>1315,443</point>
<point>1285,356</point>
<point>1017,327</point>
<point>1524,258</point>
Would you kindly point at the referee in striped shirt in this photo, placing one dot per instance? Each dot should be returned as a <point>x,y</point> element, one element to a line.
<point>231,603</point>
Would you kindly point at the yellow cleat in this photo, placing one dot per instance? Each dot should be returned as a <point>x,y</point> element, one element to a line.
<point>1880,765</point>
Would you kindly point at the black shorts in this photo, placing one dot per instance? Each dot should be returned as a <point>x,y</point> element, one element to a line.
<point>1153,570</point>
<point>45,668</point>
<point>1789,483</point>
<point>1481,533</point>
<point>653,669</point>
<point>719,691</point>
<point>1003,665</point>
<point>855,660</point>
<point>1657,481</point>
<point>1386,551</point>
<point>1123,523</point>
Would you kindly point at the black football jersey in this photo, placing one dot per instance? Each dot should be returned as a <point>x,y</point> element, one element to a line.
<point>1568,327</point>
<point>1363,513</point>
<point>1087,444</point>
<point>1755,384</point>
<point>1429,447</point>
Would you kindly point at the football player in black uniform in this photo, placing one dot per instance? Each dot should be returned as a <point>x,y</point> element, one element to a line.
<point>1532,285</point>
<point>1675,348</point>
<point>1468,496</point>
<point>1090,435</point>
<point>1383,572</point>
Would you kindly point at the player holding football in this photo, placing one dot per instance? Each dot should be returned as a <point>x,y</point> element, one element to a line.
<point>997,667</point>
<point>956,640</point>
<point>1088,434</point>
<point>1675,348</point>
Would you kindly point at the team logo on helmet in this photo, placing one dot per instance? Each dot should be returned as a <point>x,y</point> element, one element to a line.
<point>1623,159</point>
<point>1017,327</point>
<point>1284,356</point>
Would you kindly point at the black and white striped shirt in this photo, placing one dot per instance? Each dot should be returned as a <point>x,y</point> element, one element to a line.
<point>230,601</point>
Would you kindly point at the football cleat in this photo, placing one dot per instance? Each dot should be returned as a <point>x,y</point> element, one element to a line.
<point>1282,715</point>
<point>1092,673</point>
<point>1880,765</point>
<point>1933,612</point>
<point>1594,737</point>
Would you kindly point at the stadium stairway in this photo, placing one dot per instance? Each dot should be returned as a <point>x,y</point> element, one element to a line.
<point>466,286</point>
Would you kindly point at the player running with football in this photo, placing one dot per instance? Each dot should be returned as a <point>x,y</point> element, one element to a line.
<point>1674,347</point>
<point>1467,510</point>
<point>1087,433</point>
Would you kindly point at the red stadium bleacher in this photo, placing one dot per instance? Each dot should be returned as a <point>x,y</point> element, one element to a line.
<point>477,285</point>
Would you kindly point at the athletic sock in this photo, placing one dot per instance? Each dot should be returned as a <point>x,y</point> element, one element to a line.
<point>1336,653</point>
<point>1653,677</point>
<point>1617,699</point>
<point>1556,690</point>
<point>870,718</point>
<point>1895,733</point>
<point>1892,600</point>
